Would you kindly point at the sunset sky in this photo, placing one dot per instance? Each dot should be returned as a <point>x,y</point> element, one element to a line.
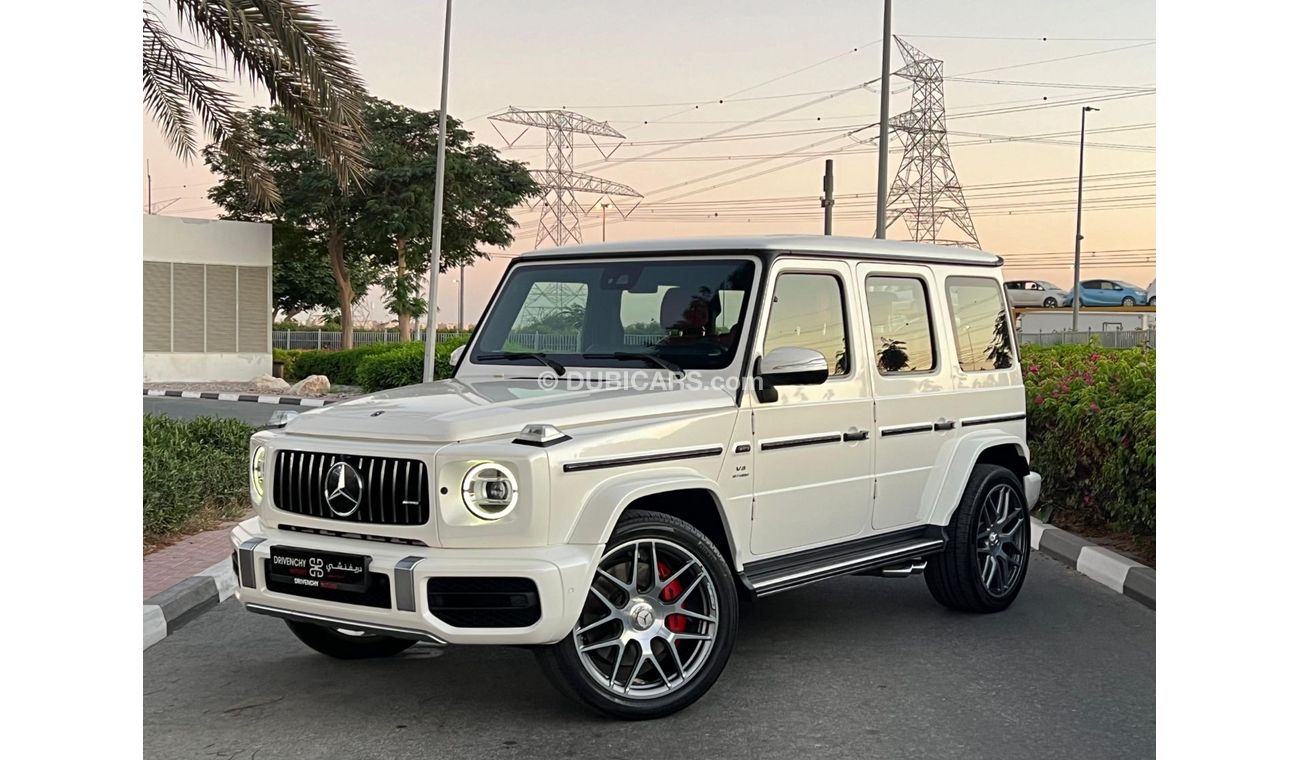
<point>668,63</point>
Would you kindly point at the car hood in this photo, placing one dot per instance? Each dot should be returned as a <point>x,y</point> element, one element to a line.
<point>456,410</point>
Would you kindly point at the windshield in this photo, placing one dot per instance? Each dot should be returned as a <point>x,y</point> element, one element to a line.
<point>1045,285</point>
<point>582,314</point>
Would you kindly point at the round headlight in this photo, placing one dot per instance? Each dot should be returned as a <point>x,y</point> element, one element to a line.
<point>489,491</point>
<point>258,478</point>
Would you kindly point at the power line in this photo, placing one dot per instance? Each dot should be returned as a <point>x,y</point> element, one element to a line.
<point>1056,60</point>
<point>1028,39</point>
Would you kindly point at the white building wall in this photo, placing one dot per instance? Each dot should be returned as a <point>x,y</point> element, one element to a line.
<point>205,334</point>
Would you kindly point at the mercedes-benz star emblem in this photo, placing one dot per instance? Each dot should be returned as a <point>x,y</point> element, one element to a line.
<point>342,489</point>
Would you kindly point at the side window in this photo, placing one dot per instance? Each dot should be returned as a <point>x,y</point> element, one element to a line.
<point>980,324</point>
<point>808,312</point>
<point>1010,286</point>
<point>901,334</point>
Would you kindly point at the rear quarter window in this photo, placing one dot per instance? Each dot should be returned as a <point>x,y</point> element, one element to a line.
<point>981,328</point>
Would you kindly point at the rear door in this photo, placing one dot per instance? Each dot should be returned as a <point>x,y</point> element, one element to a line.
<point>915,409</point>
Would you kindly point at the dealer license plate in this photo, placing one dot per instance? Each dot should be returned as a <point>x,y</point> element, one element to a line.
<point>309,568</point>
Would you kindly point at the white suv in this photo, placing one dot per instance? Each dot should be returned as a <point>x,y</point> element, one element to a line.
<point>639,438</point>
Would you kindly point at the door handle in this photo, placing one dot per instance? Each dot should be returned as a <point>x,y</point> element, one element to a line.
<point>855,435</point>
<point>943,424</point>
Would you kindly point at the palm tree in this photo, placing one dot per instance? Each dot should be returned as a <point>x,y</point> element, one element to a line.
<point>282,45</point>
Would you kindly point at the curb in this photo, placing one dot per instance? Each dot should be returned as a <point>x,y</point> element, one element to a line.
<point>253,397</point>
<point>167,611</point>
<point>1115,571</point>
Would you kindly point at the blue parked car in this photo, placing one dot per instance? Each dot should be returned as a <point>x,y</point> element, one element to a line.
<point>1108,293</point>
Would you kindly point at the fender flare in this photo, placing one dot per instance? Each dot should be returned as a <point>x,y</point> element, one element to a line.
<point>607,502</point>
<point>957,459</point>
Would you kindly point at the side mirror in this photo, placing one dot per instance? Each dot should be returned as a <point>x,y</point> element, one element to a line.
<point>454,356</point>
<point>790,365</point>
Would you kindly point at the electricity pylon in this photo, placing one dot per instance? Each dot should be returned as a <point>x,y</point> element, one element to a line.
<point>925,192</point>
<point>560,207</point>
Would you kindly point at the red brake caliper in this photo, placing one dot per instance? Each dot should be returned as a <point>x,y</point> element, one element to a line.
<point>676,622</point>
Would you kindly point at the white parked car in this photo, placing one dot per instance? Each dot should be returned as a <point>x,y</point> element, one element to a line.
<point>1036,293</point>
<point>1151,294</point>
<point>639,438</point>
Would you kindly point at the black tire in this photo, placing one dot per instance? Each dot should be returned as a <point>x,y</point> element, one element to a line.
<point>564,667</point>
<point>1049,303</point>
<point>954,576</point>
<point>1128,301</point>
<point>345,646</point>
<point>1151,301</point>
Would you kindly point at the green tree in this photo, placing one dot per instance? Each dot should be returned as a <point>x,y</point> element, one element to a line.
<point>378,231</point>
<point>396,217</point>
<point>280,44</point>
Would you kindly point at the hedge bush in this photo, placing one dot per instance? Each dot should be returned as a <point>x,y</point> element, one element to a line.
<point>1092,433</point>
<point>339,366</point>
<point>288,357</point>
<point>405,366</point>
<point>191,466</point>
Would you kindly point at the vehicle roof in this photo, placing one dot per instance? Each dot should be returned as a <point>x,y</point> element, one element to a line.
<point>835,245</point>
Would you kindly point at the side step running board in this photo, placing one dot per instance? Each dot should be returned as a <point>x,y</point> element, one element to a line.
<point>785,573</point>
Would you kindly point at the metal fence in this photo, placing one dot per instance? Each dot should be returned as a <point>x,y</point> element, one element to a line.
<point>327,340</point>
<point>324,339</point>
<point>1105,338</point>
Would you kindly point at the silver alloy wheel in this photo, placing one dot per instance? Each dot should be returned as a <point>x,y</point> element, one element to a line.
<point>650,621</point>
<point>1002,540</point>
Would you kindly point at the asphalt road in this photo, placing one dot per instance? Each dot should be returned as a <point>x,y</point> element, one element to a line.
<point>849,668</point>
<point>189,408</point>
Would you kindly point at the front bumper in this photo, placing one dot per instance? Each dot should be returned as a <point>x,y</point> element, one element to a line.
<point>1033,487</point>
<point>562,575</point>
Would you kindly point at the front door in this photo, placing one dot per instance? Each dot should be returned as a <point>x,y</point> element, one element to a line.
<point>812,445</point>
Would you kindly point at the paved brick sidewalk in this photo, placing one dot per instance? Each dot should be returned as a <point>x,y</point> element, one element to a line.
<point>167,567</point>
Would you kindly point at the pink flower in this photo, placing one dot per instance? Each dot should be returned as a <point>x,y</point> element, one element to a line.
<point>1095,356</point>
<point>1033,369</point>
<point>1038,400</point>
<point>1093,406</point>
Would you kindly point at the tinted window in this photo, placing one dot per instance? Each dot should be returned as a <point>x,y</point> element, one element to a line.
<point>808,312</point>
<point>901,335</point>
<point>688,312</point>
<point>980,324</point>
<point>1010,286</point>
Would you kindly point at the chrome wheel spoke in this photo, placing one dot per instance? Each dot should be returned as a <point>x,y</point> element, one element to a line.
<point>604,600</point>
<point>602,644</point>
<point>590,626</point>
<point>617,662</point>
<point>655,661</point>
<point>680,610</point>
<point>990,566</point>
<point>610,577</point>
<point>676,574</point>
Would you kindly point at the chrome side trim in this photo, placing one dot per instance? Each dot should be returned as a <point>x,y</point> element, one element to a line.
<point>247,565</point>
<point>666,456</point>
<point>905,429</point>
<point>404,583</point>
<point>967,422</point>
<point>333,622</point>
<point>809,575</point>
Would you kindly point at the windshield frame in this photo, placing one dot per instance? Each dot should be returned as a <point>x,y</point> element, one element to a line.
<point>469,366</point>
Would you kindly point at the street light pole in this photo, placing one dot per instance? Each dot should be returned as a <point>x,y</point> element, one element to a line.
<point>435,255</point>
<point>1078,221</point>
<point>603,206</point>
<point>460,302</point>
<point>882,161</point>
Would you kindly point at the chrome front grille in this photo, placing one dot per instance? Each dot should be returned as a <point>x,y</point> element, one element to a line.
<point>394,491</point>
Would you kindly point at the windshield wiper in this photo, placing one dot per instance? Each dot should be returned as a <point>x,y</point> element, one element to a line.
<point>623,356</point>
<point>514,356</point>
